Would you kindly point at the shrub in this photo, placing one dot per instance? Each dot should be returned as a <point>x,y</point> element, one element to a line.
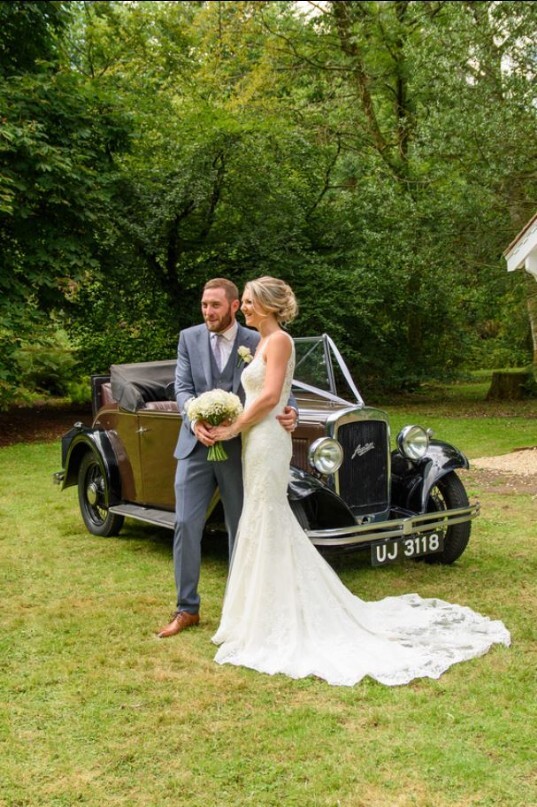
<point>47,364</point>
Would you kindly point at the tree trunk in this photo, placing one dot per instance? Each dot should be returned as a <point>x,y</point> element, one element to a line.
<point>512,386</point>
<point>531,300</point>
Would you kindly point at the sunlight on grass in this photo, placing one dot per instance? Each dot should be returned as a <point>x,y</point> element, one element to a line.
<point>97,711</point>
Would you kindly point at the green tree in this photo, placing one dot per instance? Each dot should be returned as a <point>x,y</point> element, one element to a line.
<point>219,179</point>
<point>58,141</point>
<point>377,155</point>
<point>351,151</point>
<point>30,35</point>
<point>432,105</point>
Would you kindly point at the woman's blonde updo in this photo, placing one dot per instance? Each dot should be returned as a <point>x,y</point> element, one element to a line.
<point>275,297</point>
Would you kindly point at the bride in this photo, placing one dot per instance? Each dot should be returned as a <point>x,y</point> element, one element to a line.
<point>285,609</point>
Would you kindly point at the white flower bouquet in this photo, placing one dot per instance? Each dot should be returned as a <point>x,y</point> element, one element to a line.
<point>215,407</point>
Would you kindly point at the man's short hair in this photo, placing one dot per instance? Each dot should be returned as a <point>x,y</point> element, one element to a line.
<point>231,290</point>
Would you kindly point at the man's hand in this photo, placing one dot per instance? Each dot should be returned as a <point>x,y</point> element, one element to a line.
<point>203,432</point>
<point>288,418</point>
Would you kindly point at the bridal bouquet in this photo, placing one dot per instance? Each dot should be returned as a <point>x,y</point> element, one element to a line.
<point>215,407</point>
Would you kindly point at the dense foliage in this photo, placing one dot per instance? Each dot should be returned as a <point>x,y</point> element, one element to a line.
<point>378,156</point>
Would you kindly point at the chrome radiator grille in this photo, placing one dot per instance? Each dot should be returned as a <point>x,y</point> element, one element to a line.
<point>363,478</point>
<point>300,454</point>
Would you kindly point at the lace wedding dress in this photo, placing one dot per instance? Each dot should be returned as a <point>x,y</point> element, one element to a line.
<point>286,610</point>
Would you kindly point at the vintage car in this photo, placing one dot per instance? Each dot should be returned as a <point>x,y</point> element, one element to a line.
<point>348,487</point>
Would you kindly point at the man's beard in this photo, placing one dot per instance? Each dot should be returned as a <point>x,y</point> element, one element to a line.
<point>221,325</point>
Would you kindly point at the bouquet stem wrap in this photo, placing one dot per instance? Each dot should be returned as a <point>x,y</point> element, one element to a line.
<point>216,407</point>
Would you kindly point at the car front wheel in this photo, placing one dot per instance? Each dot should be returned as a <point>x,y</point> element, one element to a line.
<point>448,494</point>
<point>93,492</point>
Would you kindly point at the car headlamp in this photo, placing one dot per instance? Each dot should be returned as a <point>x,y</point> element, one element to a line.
<point>413,442</point>
<point>325,455</point>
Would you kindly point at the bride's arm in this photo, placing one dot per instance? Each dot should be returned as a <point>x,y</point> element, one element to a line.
<point>277,353</point>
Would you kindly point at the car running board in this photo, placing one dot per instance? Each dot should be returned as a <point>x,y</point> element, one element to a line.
<point>161,518</point>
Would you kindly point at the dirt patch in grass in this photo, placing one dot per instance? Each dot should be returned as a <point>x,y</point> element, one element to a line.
<point>515,472</point>
<point>40,423</point>
<point>501,481</point>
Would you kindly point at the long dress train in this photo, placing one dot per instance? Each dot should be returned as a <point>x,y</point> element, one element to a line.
<point>286,610</point>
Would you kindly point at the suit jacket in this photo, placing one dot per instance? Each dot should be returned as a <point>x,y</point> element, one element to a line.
<point>193,374</point>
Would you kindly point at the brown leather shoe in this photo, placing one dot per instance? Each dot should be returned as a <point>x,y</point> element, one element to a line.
<point>180,621</point>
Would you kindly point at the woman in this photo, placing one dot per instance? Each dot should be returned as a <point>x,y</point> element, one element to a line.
<point>285,609</point>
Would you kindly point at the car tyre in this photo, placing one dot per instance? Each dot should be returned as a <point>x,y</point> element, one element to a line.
<point>93,497</point>
<point>447,494</point>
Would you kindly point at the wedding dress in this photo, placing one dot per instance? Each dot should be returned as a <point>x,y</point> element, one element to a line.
<point>286,610</point>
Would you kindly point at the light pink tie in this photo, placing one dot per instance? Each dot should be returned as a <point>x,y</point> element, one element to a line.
<point>217,350</point>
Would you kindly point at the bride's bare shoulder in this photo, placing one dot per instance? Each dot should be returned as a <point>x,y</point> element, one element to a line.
<point>281,341</point>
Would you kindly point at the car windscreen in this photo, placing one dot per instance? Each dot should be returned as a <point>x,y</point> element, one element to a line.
<point>319,364</point>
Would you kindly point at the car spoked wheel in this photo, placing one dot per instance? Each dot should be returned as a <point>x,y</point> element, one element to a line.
<point>449,494</point>
<point>93,493</point>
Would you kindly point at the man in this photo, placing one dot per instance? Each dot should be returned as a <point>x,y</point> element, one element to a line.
<point>207,357</point>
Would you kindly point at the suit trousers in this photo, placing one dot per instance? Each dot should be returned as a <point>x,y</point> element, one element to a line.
<point>196,480</point>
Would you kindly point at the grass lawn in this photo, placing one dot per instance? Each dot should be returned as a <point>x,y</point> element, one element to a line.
<point>96,711</point>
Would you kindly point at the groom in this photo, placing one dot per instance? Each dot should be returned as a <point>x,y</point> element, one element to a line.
<point>207,358</point>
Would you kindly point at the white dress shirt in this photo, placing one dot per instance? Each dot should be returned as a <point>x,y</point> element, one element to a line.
<point>227,340</point>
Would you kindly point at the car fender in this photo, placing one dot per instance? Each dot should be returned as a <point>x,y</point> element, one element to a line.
<point>302,484</point>
<point>412,482</point>
<point>329,509</point>
<point>76,443</point>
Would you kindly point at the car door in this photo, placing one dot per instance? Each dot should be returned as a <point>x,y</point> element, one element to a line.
<point>157,433</point>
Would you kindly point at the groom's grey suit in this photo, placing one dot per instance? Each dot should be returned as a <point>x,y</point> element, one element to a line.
<point>196,478</point>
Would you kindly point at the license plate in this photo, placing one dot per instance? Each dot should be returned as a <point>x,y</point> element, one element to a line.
<point>401,548</point>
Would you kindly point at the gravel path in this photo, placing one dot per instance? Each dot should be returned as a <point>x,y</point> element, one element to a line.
<point>522,462</point>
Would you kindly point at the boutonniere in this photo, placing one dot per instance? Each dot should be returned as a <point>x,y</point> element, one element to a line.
<point>244,355</point>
